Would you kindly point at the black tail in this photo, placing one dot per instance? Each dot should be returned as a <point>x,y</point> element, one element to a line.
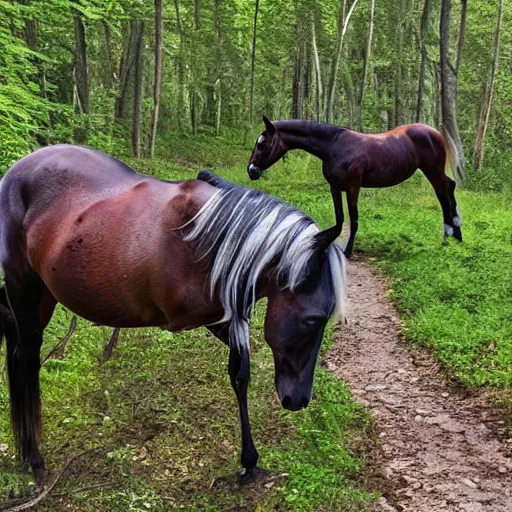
<point>23,374</point>
<point>5,315</point>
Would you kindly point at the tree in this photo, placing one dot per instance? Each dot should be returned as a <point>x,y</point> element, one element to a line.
<point>343,25</point>
<point>81,68</point>
<point>318,74</point>
<point>157,85</point>
<point>253,60</point>
<point>448,83</point>
<point>423,58</point>
<point>138,28</point>
<point>483,122</point>
<point>366,64</point>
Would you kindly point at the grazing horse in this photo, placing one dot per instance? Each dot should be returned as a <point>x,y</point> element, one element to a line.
<point>351,160</point>
<point>126,250</point>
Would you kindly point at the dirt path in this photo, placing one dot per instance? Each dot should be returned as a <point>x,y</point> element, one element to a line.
<point>439,449</point>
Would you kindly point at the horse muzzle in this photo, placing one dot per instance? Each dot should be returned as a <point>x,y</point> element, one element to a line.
<point>293,395</point>
<point>254,172</point>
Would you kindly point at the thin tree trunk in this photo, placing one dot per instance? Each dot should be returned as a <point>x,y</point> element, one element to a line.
<point>197,21</point>
<point>478,154</point>
<point>109,69</point>
<point>449,83</point>
<point>181,72</point>
<point>398,71</point>
<point>219,107</point>
<point>462,33</point>
<point>253,61</point>
<point>137,93</point>
<point>423,58</point>
<point>158,74</point>
<point>219,67</point>
<point>318,74</point>
<point>366,63</point>
<point>126,68</point>
<point>81,69</point>
<point>194,99</point>
<point>336,63</point>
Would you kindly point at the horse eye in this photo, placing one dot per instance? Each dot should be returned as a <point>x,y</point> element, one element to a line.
<point>260,145</point>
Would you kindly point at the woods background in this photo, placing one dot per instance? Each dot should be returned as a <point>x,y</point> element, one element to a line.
<point>115,74</point>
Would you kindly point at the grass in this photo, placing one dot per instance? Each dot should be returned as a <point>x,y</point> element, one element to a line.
<point>163,418</point>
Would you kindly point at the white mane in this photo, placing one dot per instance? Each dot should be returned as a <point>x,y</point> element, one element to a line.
<point>246,232</point>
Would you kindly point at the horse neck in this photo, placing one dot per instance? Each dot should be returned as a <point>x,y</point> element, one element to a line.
<point>313,137</point>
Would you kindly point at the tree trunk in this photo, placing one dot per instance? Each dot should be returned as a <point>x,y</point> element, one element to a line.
<point>108,67</point>
<point>478,154</point>
<point>366,64</point>
<point>423,58</point>
<point>336,63</point>
<point>318,74</point>
<point>253,62</point>
<point>180,65</point>
<point>449,83</point>
<point>81,70</point>
<point>158,74</point>
<point>197,21</point>
<point>462,32</point>
<point>219,67</point>
<point>194,97</point>
<point>126,68</point>
<point>137,92</point>
<point>398,71</point>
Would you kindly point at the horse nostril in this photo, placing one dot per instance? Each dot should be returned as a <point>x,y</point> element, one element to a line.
<point>286,402</point>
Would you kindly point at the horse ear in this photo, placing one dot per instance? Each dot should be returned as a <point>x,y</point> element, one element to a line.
<point>271,129</point>
<point>326,237</point>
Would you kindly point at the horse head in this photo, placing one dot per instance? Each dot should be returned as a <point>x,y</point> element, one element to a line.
<point>269,148</point>
<point>296,319</point>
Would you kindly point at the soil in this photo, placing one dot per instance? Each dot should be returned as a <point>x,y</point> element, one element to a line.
<point>439,447</point>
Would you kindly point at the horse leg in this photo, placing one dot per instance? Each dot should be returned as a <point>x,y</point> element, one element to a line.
<point>441,184</point>
<point>454,210</point>
<point>352,198</point>
<point>24,342</point>
<point>249,456</point>
<point>338,208</point>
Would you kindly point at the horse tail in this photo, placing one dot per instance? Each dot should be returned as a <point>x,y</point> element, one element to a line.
<point>23,377</point>
<point>452,155</point>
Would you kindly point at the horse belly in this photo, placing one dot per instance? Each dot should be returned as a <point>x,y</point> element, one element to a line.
<point>388,163</point>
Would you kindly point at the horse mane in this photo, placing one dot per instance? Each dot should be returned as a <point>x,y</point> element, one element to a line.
<point>247,232</point>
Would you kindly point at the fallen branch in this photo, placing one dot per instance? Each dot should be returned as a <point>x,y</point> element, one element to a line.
<point>46,490</point>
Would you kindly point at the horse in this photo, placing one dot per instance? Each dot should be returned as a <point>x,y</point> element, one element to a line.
<point>125,250</point>
<point>351,160</point>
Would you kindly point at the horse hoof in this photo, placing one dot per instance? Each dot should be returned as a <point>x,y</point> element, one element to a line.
<point>251,475</point>
<point>40,477</point>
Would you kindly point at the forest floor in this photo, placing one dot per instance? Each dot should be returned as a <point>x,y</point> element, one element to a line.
<point>441,448</point>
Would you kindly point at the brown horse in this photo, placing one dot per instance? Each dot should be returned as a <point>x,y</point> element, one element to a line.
<point>126,250</point>
<point>351,160</point>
